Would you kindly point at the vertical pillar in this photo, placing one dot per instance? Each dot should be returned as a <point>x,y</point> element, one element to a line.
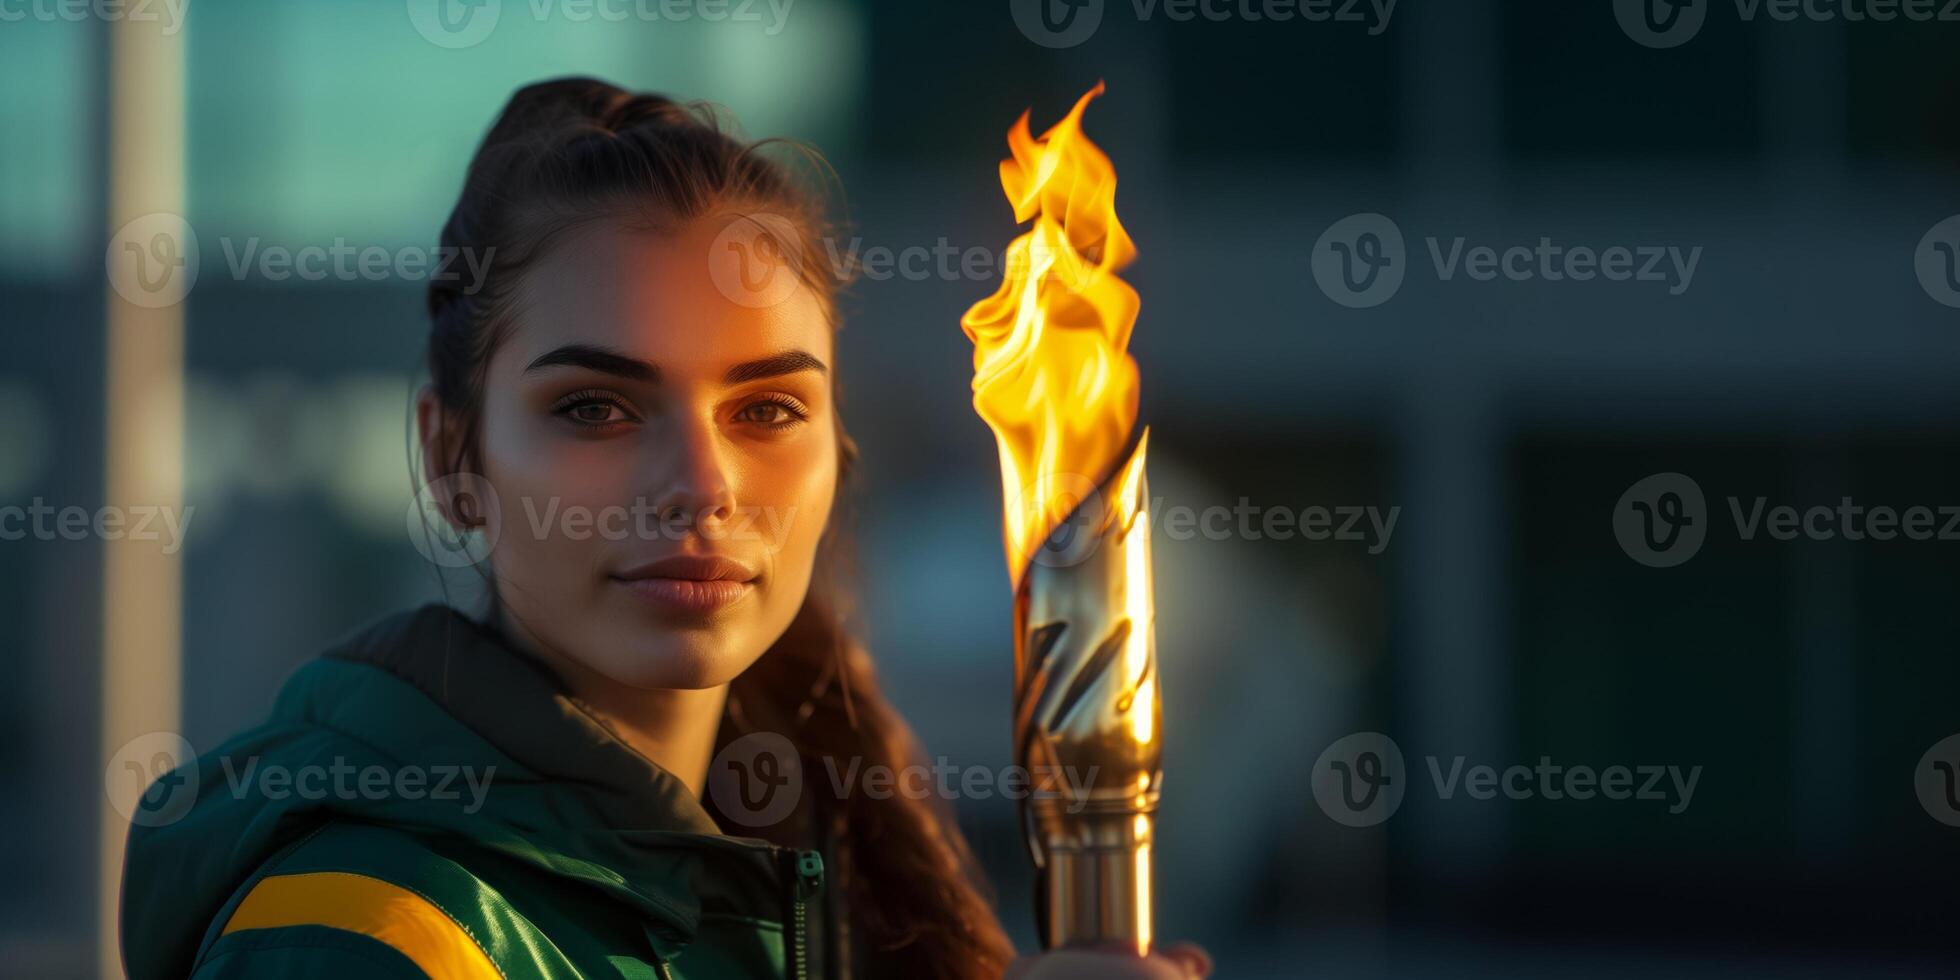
<point>144,392</point>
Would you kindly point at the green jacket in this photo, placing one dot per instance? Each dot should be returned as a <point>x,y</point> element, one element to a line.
<point>426,800</point>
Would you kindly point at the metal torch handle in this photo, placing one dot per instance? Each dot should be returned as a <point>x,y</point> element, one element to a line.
<point>1088,719</point>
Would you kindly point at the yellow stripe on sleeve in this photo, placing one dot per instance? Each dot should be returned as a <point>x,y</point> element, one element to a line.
<point>374,908</point>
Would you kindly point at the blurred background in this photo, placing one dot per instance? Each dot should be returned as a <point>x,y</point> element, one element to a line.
<point>1505,420</point>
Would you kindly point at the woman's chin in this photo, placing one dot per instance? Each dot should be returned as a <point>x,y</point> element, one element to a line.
<point>679,660</point>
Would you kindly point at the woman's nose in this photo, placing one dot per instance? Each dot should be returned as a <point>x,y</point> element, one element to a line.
<point>693,486</point>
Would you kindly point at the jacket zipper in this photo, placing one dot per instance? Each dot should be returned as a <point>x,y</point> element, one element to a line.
<point>804,871</point>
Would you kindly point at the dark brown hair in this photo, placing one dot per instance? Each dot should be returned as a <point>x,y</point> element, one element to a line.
<point>576,149</point>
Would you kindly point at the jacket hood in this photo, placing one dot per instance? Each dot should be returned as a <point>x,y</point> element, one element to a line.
<point>429,722</point>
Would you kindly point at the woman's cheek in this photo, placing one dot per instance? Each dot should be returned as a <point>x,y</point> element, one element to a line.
<point>800,507</point>
<point>543,484</point>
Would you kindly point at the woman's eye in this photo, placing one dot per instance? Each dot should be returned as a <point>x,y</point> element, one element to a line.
<point>592,410</point>
<point>595,412</point>
<point>773,414</point>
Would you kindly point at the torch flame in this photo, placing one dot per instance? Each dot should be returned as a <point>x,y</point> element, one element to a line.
<point>1051,371</point>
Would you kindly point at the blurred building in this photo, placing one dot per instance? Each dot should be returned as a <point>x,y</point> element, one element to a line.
<point>1500,622</point>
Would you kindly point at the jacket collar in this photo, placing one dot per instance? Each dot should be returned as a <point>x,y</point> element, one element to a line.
<point>589,807</point>
<point>518,705</point>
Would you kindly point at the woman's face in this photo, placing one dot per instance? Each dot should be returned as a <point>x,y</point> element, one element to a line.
<point>664,458</point>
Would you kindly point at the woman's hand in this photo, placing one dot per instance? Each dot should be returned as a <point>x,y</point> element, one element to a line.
<point>1182,961</point>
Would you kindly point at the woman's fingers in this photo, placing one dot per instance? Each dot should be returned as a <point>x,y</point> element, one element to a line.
<point>1193,956</point>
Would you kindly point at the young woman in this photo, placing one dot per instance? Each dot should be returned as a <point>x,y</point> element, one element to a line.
<point>639,417</point>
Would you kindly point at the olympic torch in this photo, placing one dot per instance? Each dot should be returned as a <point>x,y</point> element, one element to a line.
<point>1054,380</point>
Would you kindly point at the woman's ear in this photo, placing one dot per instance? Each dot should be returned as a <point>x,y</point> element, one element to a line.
<point>436,433</point>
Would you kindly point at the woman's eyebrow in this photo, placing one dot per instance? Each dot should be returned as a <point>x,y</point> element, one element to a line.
<point>609,361</point>
<point>787,362</point>
<point>594,357</point>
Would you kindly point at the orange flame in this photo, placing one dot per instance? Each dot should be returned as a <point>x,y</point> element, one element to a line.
<point>1051,371</point>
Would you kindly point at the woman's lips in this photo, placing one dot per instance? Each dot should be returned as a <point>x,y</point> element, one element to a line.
<point>684,595</point>
<point>691,584</point>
